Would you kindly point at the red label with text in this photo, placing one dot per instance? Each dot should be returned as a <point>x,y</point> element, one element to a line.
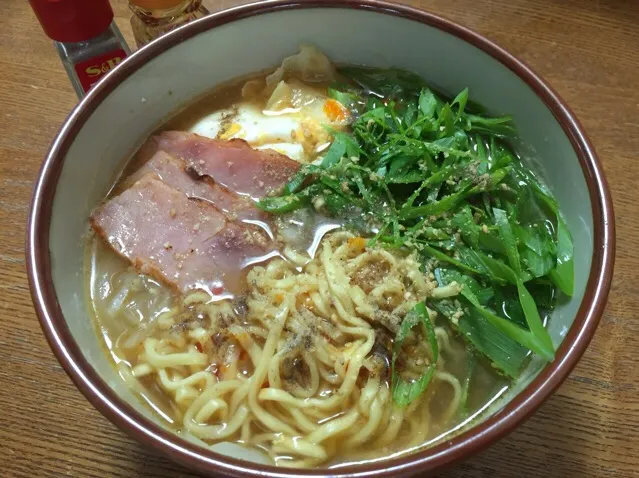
<point>91,71</point>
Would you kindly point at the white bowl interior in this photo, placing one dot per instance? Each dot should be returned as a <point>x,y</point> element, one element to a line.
<point>139,104</point>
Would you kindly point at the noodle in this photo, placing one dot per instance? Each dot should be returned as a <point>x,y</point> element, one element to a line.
<point>299,370</point>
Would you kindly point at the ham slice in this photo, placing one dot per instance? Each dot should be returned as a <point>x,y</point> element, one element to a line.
<point>175,173</point>
<point>232,164</point>
<point>184,242</point>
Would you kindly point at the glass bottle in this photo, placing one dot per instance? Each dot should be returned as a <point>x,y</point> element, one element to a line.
<point>85,37</point>
<point>154,18</point>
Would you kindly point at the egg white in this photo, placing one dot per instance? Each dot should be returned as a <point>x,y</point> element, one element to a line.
<point>294,126</point>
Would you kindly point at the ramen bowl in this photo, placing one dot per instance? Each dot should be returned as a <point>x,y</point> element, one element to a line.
<point>126,106</point>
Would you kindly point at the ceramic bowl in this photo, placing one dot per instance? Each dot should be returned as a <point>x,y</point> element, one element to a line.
<point>122,110</point>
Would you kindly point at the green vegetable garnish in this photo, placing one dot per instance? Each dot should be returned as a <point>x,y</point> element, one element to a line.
<point>470,368</point>
<point>404,392</point>
<point>436,175</point>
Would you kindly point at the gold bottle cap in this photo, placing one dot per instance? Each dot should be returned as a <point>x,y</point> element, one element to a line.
<point>156,4</point>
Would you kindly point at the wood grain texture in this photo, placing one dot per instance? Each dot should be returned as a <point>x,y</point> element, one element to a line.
<point>587,49</point>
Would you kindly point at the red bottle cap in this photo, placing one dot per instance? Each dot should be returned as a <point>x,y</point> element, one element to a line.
<point>73,20</point>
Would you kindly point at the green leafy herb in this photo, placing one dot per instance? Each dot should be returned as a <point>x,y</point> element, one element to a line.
<point>347,97</point>
<point>435,174</point>
<point>404,392</point>
<point>563,274</point>
<point>343,145</point>
<point>504,353</point>
<point>542,343</point>
<point>279,205</point>
<point>511,329</point>
<point>427,103</point>
<point>488,266</point>
<point>434,208</point>
<point>470,368</point>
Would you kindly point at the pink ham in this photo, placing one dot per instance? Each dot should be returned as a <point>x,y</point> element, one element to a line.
<point>232,164</point>
<point>186,243</point>
<point>173,172</point>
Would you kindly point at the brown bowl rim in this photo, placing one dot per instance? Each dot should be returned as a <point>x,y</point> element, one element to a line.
<point>469,442</point>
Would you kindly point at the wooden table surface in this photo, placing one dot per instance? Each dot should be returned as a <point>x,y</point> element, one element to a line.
<point>587,49</point>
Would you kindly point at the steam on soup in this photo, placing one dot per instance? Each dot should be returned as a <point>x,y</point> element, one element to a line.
<point>327,264</point>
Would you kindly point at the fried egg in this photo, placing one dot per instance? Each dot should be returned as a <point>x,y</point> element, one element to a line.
<point>296,120</point>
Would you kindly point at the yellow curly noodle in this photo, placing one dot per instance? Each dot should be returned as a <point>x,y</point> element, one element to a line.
<point>302,371</point>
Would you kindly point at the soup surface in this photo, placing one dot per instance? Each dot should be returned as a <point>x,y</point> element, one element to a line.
<point>328,265</point>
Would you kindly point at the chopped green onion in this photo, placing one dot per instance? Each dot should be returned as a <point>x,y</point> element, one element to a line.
<point>405,392</point>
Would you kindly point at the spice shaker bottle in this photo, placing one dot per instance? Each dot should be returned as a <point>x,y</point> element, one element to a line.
<point>154,18</point>
<point>85,36</point>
